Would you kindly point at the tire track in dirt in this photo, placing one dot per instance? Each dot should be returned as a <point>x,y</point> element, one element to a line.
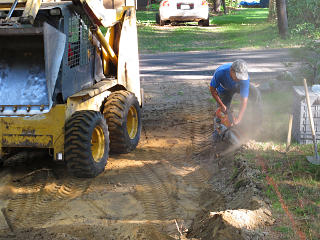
<point>168,178</point>
<point>155,185</point>
<point>154,190</point>
<point>40,196</point>
<point>197,128</point>
<point>198,109</point>
<point>155,167</point>
<point>194,112</point>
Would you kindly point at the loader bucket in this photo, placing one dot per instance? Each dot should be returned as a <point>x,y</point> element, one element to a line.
<point>30,59</point>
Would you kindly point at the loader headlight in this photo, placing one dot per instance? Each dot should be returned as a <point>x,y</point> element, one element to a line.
<point>55,12</point>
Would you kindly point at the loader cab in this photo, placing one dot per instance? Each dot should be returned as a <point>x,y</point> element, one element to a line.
<point>53,52</point>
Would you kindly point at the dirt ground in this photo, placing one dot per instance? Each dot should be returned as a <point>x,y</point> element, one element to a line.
<point>175,185</point>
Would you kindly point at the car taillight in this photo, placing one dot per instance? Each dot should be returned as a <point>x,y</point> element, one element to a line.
<point>165,3</point>
<point>204,3</point>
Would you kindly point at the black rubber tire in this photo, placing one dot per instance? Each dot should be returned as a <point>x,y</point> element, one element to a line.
<point>159,21</point>
<point>158,18</point>
<point>79,130</point>
<point>116,111</point>
<point>206,22</point>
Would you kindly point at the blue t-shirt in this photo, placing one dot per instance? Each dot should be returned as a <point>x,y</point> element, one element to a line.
<point>222,81</point>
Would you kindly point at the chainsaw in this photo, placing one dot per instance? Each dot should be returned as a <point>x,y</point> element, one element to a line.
<point>225,127</point>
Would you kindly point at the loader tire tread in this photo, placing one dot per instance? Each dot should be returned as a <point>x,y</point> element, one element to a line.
<point>78,133</point>
<point>116,112</point>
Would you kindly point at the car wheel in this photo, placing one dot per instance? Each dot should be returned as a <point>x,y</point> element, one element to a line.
<point>159,21</point>
<point>206,22</point>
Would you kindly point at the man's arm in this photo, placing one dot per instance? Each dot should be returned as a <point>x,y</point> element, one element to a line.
<point>244,102</point>
<point>215,95</point>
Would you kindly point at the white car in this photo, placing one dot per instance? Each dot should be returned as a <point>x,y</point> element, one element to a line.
<point>183,11</point>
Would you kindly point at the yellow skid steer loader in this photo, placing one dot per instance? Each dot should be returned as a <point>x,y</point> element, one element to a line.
<point>66,86</point>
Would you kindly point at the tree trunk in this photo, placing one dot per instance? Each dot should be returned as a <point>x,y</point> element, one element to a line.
<point>282,18</point>
<point>224,6</point>
<point>217,5</point>
<point>272,10</point>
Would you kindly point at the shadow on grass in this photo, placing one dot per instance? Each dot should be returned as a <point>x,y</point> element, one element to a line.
<point>190,38</point>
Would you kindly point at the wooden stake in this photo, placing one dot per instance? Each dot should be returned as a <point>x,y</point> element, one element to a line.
<point>289,132</point>
<point>313,159</point>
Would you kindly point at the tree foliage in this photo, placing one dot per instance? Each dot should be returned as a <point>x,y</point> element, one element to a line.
<point>304,11</point>
<point>304,20</point>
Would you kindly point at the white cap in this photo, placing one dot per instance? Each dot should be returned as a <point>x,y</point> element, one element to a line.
<point>241,69</point>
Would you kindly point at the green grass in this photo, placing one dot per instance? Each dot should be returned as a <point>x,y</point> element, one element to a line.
<point>298,182</point>
<point>246,28</point>
<point>244,16</point>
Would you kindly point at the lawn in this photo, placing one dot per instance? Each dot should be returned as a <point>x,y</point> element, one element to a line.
<point>291,184</point>
<point>243,28</point>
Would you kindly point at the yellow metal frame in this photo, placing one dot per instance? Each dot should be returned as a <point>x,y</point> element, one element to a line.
<point>106,47</point>
<point>46,130</point>
<point>31,9</point>
<point>39,131</point>
<point>6,4</point>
